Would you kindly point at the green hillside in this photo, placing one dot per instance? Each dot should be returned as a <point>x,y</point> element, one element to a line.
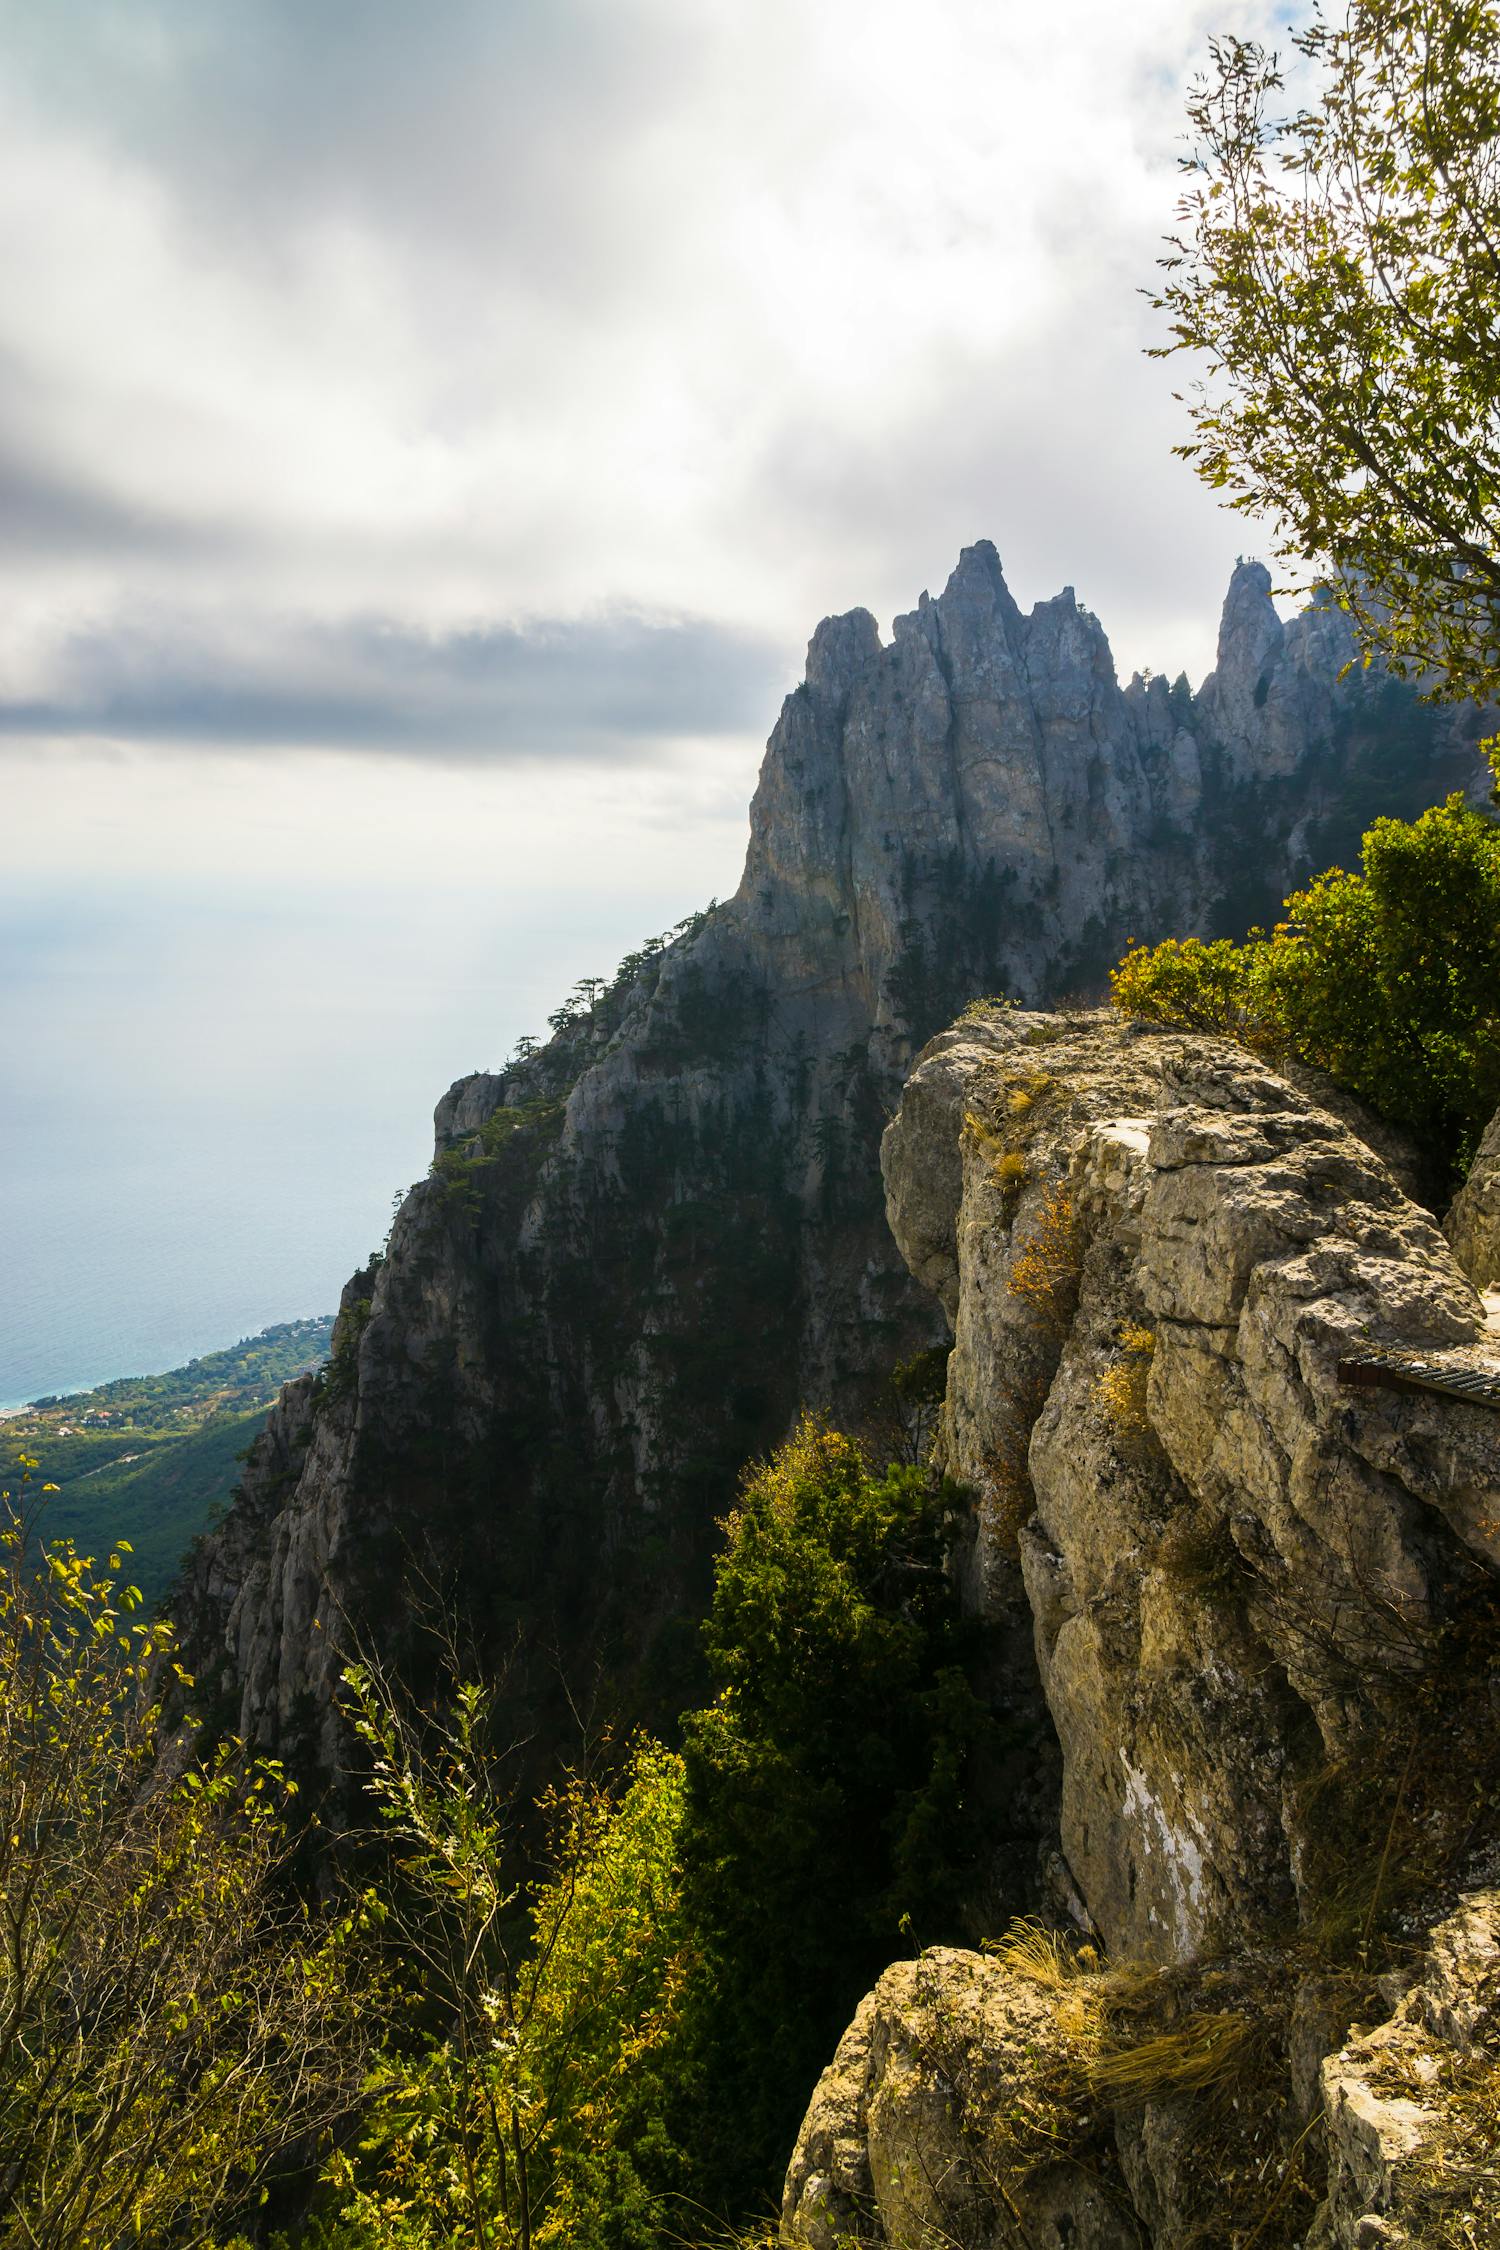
<point>151,1458</point>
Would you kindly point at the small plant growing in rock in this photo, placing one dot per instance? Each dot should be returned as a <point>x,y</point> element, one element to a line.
<point>985,1004</point>
<point>982,1134</point>
<point>1007,1164</point>
<point>1045,1275</point>
<point>1122,1386</point>
<point>1022,1099</point>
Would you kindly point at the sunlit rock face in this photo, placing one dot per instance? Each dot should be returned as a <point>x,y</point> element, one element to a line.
<point>1262,1594</point>
<point>1155,1253</point>
<point>647,1244</point>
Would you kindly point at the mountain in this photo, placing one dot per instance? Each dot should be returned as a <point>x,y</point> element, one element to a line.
<point>643,1246</point>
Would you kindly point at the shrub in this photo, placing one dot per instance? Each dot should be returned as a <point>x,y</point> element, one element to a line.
<point>1184,981</point>
<point>1122,1386</point>
<point>1388,979</point>
<point>1045,1273</point>
<point>533,2118</point>
<point>172,2023</point>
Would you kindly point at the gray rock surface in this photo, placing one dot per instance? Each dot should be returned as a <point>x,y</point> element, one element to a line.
<point>1412,2105</point>
<point>1154,1252</point>
<point>937,2124</point>
<point>1473,1223</point>
<point>1263,1608</point>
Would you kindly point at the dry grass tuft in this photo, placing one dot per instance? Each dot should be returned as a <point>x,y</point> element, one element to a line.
<point>1045,1275</point>
<point>1194,2056</point>
<point>1043,1956</point>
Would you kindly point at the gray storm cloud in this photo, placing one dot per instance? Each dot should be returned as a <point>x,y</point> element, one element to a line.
<point>675,327</point>
<point>615,688</point>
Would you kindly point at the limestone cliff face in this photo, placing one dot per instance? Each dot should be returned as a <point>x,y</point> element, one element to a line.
<point>1261,1586</point>
<point>645,1245</point>
<point>1473,1224</point>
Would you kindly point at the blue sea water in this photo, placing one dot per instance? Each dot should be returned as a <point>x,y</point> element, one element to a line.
<point>208,1107</point>
<point>133,1249</point>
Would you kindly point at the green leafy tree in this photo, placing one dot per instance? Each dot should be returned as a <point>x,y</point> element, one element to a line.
<point>172,2021</point>
<point>826,1783</point>
<point>1388,979</point>
<point>1338,267</point>
<point>532,2115</point>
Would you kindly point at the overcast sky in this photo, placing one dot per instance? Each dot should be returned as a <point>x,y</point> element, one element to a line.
<point>429,436</point>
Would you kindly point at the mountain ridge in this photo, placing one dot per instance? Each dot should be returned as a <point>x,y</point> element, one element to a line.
<point>645,1245</point>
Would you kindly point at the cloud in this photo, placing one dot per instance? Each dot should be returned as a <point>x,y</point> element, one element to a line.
<point>602,689</point>
<point>46,515</point>
<point>569,310</point>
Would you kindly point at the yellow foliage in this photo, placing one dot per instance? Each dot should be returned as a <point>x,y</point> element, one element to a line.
<point>1121,1389</point>
<point>175,2020</point>
<point>1045,1275</point>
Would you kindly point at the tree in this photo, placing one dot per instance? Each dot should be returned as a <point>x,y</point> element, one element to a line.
<point>528,2113</point>
<point>172,2021</point>
<point>1340,269</point>
<point>827,1782</point>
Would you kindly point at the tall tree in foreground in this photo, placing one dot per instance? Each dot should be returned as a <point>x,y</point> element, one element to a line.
<point>172,2021</point>
<point>827,1824</point>
<point>1339,268</point>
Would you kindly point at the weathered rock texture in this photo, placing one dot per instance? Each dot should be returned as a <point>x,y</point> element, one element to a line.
<point>1473,1224</point>
<point>983,2103</point>
<point>932,2124</point>
<point>645,1245</point>
<point>1413,2106</point>
<point>1154,1251</point>
<point>1263,1601</point>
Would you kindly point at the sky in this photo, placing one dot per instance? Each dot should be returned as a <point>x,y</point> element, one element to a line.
<point>428,438</point>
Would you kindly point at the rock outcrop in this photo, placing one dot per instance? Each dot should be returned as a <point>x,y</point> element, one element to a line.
<point>1259,1567</point>
<point>1413,2106</point>
<point>946,2117</point>
<point>643,1246</point>
<point>1473,1224</point>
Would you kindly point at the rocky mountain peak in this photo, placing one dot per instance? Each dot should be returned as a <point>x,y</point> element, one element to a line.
<point>839,652</point>
<point>645,1246</point>
<point>1250,631</point>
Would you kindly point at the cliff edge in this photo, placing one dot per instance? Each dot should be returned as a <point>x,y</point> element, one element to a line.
<point>1230,1410</point>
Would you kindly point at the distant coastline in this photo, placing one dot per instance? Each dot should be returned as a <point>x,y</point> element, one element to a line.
<point>153,1458</point>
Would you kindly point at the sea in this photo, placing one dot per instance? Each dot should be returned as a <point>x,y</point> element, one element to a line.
<point>187,1156</point>
<point>231,992</point>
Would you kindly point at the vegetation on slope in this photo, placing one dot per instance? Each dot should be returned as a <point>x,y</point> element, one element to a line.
<point>173,2022</point>
<point>605,2036</point>
<point>149,1458</point>
<point>1388,979</point>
